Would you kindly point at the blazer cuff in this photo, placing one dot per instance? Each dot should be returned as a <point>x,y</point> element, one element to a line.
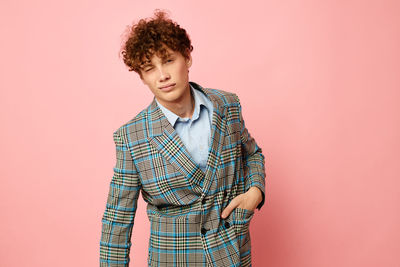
<point>262,189</point>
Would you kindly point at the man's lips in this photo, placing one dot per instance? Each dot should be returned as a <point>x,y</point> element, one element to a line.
<point>167,87</point>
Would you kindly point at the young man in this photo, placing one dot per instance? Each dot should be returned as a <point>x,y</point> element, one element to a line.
<point>189,153</point>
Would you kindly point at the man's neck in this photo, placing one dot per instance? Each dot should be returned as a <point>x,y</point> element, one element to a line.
<point>183,107</point>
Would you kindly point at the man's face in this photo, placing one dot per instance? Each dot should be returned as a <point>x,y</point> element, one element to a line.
<point>168,78</point>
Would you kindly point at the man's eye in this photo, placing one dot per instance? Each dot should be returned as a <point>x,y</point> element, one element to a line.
<point>170,60</point>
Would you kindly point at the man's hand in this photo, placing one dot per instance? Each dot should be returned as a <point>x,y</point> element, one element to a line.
<point>248,201</point>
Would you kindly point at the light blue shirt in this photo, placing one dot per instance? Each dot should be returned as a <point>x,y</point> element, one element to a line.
<point>194,132</point>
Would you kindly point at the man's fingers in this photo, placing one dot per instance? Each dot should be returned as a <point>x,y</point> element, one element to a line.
<point>225,213</point>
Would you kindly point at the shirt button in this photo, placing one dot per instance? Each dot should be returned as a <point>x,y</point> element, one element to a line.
<point>203,231</point>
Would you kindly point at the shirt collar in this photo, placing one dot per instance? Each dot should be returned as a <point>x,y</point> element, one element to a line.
<point>198,102</point>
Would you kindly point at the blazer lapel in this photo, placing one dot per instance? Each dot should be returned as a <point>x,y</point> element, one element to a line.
<point>163,137</point>
<point>217,136</point>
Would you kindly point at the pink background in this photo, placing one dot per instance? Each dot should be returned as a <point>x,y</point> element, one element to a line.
<point>320,86</point>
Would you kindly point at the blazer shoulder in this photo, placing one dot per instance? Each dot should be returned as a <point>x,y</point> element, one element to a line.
<point>228,98</point>
<point>130,126</point>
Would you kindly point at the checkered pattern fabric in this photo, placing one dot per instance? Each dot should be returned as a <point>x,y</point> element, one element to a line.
<point>183,202</point>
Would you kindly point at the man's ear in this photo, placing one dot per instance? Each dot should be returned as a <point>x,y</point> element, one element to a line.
<point>189,61</point>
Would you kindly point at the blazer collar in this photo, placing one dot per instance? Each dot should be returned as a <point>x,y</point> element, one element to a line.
<point>158,122</point>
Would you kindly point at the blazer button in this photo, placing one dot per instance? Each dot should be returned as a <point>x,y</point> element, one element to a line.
<point>227,225</point>
<point>203,201</point>
<point>204,231</point>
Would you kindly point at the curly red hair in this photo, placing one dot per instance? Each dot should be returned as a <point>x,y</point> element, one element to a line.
<point>153,36</point>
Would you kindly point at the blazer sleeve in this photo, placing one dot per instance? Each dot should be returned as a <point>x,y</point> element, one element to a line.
<point>118,218</point>
<point>253,159</point>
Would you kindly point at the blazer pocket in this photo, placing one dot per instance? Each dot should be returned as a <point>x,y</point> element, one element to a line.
<point>243,214</point>
<point>240,220</point>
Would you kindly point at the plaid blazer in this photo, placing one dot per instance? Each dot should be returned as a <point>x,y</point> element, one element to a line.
<point>186,226</point>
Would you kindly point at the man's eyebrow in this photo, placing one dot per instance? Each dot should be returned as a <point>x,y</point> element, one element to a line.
<point>145,64</point>
<point>168,56</point>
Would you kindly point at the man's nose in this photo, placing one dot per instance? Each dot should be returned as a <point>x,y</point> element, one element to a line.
<point>163,74</point>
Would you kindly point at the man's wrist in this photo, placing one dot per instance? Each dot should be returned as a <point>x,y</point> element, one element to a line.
<point>255,188</point>
<point>256,191</point>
